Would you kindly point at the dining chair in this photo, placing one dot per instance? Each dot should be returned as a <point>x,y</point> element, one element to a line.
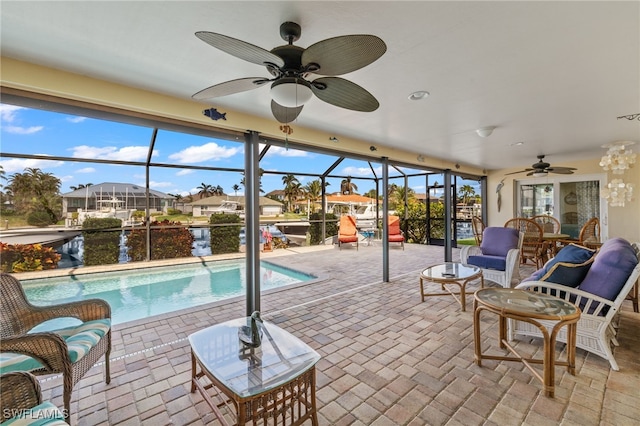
<point>548,223</point>
<point>477,226</point>
<point>533,247</point>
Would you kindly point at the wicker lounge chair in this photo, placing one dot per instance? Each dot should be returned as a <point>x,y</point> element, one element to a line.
<point>347,233</point>
<point>21,401</point>
<point>71,351</point>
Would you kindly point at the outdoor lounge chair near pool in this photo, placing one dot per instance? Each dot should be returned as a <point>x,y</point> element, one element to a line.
<point>347,233</point>
<point>395,233</point>
<point>71,351</point>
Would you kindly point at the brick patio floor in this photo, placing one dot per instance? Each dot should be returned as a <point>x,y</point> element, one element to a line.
<point>387,357</point>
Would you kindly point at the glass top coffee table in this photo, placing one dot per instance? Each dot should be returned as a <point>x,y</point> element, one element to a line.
<point>454,273</point>
<point>548,313</point>
<point>277,379</point>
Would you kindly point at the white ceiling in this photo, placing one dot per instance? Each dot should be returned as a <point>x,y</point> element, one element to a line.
<point>553,75</point>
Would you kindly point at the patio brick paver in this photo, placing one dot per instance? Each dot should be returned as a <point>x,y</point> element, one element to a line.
<point>387,357</point>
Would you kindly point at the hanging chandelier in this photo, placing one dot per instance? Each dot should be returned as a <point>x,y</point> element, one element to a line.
<point>618,158</point>
<point>617,192</point>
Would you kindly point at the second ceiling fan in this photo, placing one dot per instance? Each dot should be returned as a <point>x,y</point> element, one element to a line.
<point>541,168</point>
<point>292,69</point>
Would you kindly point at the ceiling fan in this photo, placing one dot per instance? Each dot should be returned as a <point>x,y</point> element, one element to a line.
<point>541,168</point>
<point>293,69</point>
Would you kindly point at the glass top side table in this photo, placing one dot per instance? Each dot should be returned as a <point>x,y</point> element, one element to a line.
<point>455,273</point>
<point>281,369</point>
<point>548,313</point>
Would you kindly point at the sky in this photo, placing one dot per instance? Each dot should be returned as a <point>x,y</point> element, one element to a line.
<point>33,131</point>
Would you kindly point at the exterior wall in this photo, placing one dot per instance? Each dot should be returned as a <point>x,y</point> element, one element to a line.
<point>621,221</point>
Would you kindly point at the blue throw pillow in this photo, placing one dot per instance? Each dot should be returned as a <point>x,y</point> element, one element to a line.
<point>569,267</point>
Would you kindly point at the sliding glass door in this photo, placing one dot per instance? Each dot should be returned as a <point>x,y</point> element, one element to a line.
<point>573,200</point>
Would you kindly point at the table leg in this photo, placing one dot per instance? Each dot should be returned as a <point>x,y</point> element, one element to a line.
<point>571,348</point>
<point>476,333</point>
<point>193,372</point>
<point>422,288</point>
<point>548,367</point>
<point>502,326</point>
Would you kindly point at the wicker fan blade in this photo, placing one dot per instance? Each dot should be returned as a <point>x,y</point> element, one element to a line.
<point>285,114</point>
<point>230,87</point>
<point>519,171</point>
<point>240,49</point>
<point>344,94</point>
<point>561,170</point>
<point>341,55</point>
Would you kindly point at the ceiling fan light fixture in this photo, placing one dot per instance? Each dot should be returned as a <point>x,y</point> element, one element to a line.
<point>291,92</point>
<point>539,174</point>
<point>485,132</point>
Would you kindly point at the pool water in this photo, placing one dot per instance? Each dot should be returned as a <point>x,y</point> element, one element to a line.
<point>140,293</point>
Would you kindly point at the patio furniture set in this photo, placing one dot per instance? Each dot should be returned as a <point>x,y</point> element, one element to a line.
<point>573,298</point>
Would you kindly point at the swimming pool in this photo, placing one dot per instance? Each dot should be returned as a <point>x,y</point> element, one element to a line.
<point>140,293</point>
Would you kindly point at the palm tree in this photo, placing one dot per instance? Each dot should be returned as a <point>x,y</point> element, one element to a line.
<point>261,173</point>
<point>205,190</point>
<point>218,190</point>
<point>292,189</point>
<point>347,187</point>
<point>80,186</point>
<point>313,190</point>
<point>466,192</point>
<point>235,188</point>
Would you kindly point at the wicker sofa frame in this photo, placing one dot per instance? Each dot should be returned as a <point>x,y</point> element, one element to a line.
<point>596,332</point>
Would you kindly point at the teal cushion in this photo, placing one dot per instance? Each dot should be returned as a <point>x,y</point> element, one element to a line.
<point>80,339</point>
<point>569,267</point>
<point>40,415</point>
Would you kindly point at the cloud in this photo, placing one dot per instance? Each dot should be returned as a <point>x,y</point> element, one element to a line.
<point>154,185</point>
<point>361,171</point>
<point>8,112</point>
<point>86,170</point>
<point>66,178</point>
<point>185,172</point>
<point>17,130</point>
<point>8,115</point>
<point>76,119</point>
<point>282,152</point>
<point>17,165</point>
<point>127,153</point>
<point>208,151</point>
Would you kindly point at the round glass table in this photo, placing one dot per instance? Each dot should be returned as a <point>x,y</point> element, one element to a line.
<point>548,313</point>
<point>454,273</point>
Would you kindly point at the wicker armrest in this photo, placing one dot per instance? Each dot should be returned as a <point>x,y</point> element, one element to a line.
<point>86,310</point>
<point>588,302</point>
<point>467,251</point>
<point>20,391</point>
<point>48,348</point>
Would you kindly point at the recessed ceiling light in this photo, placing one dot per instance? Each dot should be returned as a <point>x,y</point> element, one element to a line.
<point>420,94</point>
<point>517,144</point>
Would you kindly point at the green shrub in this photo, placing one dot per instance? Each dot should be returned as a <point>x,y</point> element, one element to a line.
<point>173,212</point>
<point>27,257</point>
<point>315,226</point>
<point>39,218</point>
<point>138,215</point>
<point>169,240</point>
<point>225,238</point>
<point>101,247</point>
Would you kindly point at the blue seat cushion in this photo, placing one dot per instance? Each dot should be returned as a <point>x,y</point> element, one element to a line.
<point>488,262</point>
<point>569,267</point>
